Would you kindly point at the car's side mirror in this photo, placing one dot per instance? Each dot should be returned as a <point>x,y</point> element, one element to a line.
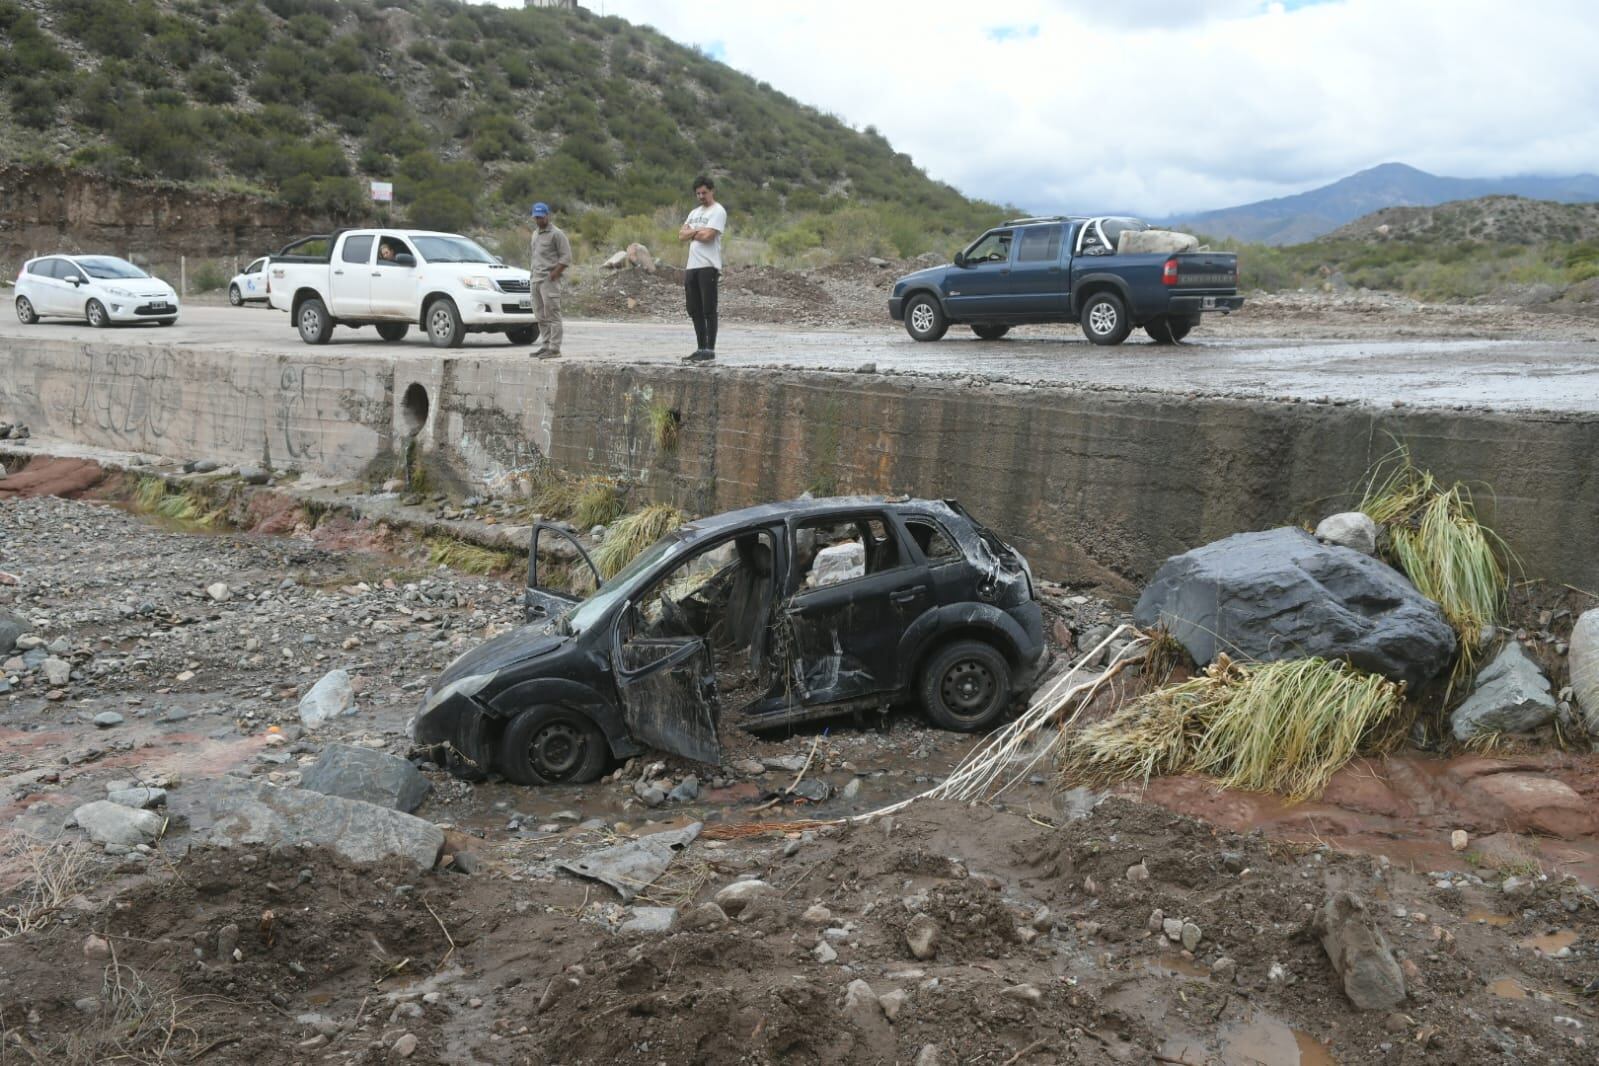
<point>76,280</point>
<point>960,259</point>
<point>405,259</point>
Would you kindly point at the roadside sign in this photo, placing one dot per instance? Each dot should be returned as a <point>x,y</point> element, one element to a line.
<point>382,192</point>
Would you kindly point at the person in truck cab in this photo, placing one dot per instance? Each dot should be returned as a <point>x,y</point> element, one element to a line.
<point>385,251</point>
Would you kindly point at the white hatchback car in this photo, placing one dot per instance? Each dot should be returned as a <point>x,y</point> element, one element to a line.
<point>249,283</point>
<point>100,288</point>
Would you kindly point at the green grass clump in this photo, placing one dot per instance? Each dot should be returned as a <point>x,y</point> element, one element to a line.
<point>147,496</point>
<point>631,535</point>
<point>599,502</point>
<point>1283,727</point>
<point>1434,538</point>
<point>663,422</point>
<point>471,558</point>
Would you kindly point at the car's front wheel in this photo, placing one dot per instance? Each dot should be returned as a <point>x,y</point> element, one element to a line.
<point>989,331</point>
<point>235,297</point>
<point>966,686</point>
<point>97,315</point>
<point>445,328</point>
<point>25,312</point>
<point>1105,319</point>
<point>924,319</point>
<point>552,746</point>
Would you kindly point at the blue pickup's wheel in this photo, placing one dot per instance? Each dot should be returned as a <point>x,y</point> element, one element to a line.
<point>924,319</point>
<point>989,331</point>
<point>1166,329</point>
<point>1105,319</point>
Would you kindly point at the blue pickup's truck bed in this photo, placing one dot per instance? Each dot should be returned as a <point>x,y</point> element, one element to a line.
<point>1064,270</point>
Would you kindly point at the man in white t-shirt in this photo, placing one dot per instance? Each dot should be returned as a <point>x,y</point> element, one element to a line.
<point>703,231</point>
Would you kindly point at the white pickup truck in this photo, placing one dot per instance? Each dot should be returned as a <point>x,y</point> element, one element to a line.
<point>394,279</point>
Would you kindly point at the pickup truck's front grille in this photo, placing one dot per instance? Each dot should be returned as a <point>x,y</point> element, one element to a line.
<point>1206,279</point>
<point>513,285</point>
<point>515,309</point>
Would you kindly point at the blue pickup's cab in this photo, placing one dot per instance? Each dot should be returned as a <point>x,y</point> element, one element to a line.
<point>1039,270</point>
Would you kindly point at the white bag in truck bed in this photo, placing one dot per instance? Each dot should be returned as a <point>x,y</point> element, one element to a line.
<point>1157,241</point>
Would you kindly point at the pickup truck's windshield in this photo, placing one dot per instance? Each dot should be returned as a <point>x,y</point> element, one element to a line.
<point>106,266</point>
<point>451,250</point>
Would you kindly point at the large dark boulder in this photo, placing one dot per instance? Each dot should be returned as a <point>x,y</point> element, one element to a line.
<point>1281,594</point>
<point>367,775</point>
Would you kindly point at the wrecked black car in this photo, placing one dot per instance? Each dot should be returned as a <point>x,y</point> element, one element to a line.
<point>790,612</point>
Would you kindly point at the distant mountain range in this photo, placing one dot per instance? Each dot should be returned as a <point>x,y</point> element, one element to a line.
<point>1308,215</point>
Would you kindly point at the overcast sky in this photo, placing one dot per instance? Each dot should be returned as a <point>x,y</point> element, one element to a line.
<point>1164,106</point>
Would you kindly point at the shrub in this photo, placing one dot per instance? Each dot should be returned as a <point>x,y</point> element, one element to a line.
<point>212,83</point>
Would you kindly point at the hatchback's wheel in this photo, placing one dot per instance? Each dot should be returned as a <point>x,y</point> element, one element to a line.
<point>924,319</point>
<point>966,686</point>
<point>235,297</point>
<point>1105,319</point>
<point>393,331</point>
<point>522,334</point>
<point>445,329</point>
<point>98,318</point>
<point>25,312</point>
<point>165,321</point>
<point>552,746</point>
<point>989,331</point>
<point>314,322</point>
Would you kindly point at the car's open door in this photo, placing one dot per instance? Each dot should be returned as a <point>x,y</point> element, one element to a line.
<point>551,586</point>
<point>668,690</point>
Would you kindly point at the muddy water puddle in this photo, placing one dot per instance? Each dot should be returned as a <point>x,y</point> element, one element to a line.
<point>1170,964</point>
<point>1551,943</point>
<point>1261,1041</point>
<point>1488,918</point>
<point>1507,988</point>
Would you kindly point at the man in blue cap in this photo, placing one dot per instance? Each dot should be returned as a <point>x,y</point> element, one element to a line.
<point>552,254</point>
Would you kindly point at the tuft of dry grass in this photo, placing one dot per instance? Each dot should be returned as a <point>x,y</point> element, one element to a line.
<point>1263,727</point>
<point>629,536</point>
<point>471,558</point>
<point>51,874</point>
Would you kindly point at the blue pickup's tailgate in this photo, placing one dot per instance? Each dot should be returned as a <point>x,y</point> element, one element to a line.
<point>1207,270</point>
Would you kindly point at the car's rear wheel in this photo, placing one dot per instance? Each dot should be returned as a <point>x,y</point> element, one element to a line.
<point>966,686</point>
<point>393,331</point>
<point>97,315</point>
<point>445,329</point>
<point>552,745</point>
<point>235,297</point>
<point>1105,320</point>
<point>924,319</point>
<point>522,334</point>
<point>989,331</point>
<point>314,322</point>
<point>25,312</point>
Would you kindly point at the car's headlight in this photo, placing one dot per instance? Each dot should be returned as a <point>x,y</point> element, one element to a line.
<point>470,685</point>
<point>115,291</point>
<point>477,282</point>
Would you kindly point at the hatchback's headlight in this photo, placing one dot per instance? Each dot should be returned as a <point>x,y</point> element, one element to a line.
<point>115,291</point>
<point>477,282</point>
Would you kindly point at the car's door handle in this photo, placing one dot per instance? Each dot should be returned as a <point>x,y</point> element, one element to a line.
<point>377,273</point>
<point>1005,271</point>
<point>1054,270</point>
<point>338,272</point>
<point>907,595</point>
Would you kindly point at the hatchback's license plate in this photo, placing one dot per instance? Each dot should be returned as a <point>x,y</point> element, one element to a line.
<point>1208,303</point>
<point>158,306</point>
<point>525,303</point>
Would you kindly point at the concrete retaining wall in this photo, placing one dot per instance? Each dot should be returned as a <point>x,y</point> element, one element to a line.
<point>1096,485</point>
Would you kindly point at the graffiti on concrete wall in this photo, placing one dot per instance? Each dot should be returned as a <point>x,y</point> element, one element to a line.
<point>317,405</point>
<point>132,395</point>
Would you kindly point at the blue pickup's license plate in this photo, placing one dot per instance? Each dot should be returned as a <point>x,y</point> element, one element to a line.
<point>1208,303</point>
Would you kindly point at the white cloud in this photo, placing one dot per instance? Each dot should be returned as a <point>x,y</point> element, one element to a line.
<point>1162,106</point>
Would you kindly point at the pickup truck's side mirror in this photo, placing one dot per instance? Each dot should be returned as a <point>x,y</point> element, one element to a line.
<point>960,259</point>
<point>405,259</point>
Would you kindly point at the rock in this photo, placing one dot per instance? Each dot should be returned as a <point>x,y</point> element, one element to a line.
<point>328,698</point>
<point>367,775</point>
<point>866,368</point>
<point>705,916</point>
<point>1351,529</point>
<point>928,1055</point>
<point>107,719</point>
<point>1191,935</point>
<point>1459,840</point>
<point>615,261</point>
<point>650,920</point>
<point>138,798</point>
<point>1157,921</point>
<point>1540,803</point>
<point>749,767</point>
<point>201,466</point>
<point>1512,696</point>
<point>1582,659</point>
<point>1360,954</point>
<point>219,592</point>
<point>96,947</point>
<point>816,914</point>
<point>877,261</point>
<point>112,823</point>
<point>686,791</point>
<point>650,795</point>
<point>254,475</point>
<point>1137,872</point>
<point>56,671</point>
<point>1023,993</point>
<point>1281,594</point>
<point>790,763</point>
<point>11,627</point>
<point>836,563</point>
<point>892,1003</point>
<point>859,997</point>
<point>639,257</point>
<point>465,862</point>
<point>824,953</point>
<point>738,895</point>
<point>851,791</point>
<point>404,1047</point>
<point>232,811</point>
<point>921,936</point>
<point>227,941</point>
<point>813,789</point>
<point>1224,970</point>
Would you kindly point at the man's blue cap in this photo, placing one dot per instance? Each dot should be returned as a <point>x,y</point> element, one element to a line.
<point>540,209</point>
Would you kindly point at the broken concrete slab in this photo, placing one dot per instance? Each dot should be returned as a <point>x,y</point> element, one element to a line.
<point>231,811</point>
<point>1280,594</point>
<point>633,866</point>
<point>1360,953</point>
<point>328,698</point>
<point>1512,696</point>
<point>112,823</point>
<point>367,775</point>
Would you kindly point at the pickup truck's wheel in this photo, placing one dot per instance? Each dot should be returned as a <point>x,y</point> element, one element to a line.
<point>552,746</point>
<point>96,314</point>
<point>25,312</point>
<point>924,319</point>
<point>235,297</point>
<point>393,331</point>
<point>1181,326</point>
<point>1160,330</point>
<point>966,686</point>
<point>989,331</point>
<point>522,334</point>
<point>1105,319</point>
<point>314,322</point>
<point>445,329</point>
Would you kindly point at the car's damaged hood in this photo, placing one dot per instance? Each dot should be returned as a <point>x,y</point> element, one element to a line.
<point>504,651</point>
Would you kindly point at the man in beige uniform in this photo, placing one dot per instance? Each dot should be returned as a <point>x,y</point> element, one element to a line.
<point>552,254</point>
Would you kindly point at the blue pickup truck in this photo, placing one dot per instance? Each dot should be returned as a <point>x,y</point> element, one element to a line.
<point>1067,269</point>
